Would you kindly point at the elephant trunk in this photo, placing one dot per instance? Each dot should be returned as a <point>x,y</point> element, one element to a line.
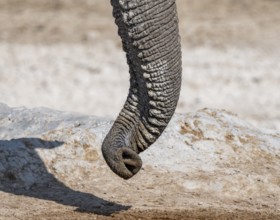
<point>150,38</point>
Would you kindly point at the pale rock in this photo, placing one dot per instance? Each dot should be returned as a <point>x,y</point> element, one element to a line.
<point>210,155</point>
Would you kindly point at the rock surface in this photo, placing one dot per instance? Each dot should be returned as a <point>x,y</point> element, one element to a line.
<point>206,164</point>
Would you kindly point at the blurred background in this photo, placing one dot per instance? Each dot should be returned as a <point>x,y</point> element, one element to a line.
<point>66,55</point>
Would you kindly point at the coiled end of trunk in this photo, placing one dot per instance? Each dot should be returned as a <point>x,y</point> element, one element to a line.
<point>122,160</point>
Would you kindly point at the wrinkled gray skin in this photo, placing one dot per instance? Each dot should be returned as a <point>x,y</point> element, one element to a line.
<point>150,38</point>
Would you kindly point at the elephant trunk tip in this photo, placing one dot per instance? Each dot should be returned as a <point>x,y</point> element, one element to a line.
<point>123,161</point>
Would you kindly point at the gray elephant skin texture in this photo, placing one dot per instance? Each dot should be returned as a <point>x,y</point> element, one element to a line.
<point>150,39</point>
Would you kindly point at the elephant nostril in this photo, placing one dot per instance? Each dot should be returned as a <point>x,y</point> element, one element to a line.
<point>130,165</point>
<point>133,169</point>
<point>131,160</point>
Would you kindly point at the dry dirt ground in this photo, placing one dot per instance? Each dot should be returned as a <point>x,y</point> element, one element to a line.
<point>65,54</point>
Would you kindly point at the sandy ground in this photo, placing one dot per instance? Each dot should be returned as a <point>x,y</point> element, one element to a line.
<point>66,55</point>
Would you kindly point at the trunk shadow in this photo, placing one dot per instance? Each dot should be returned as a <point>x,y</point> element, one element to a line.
<point>22,172</point>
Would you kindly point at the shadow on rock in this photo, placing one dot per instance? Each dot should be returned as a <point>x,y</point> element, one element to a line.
<point>22,172</point>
